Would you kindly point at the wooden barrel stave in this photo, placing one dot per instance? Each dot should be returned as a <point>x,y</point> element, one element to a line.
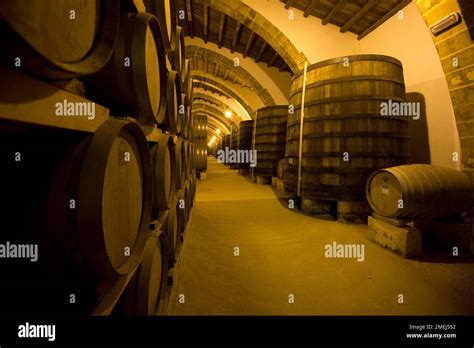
<point>270,137</point>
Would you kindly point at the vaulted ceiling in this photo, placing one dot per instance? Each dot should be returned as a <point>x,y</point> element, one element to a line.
<point>360,17</point>
<point>209,23</point>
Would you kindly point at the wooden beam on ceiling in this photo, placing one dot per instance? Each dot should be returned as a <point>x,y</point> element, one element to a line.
<point>282,66</point>
<point>206,22</point>
<point>340,4</point>
<point>226,72</point>
<point>381,20</point>
<point>288,4</point>
<point>216,70</point>
<point>222,25</point>
<point>249,44</point>
<point>363,11</point>
<point>190,17</point>
<point>236,38</point>
<point>206,65</point>
<point>272,61</point>
<point>261,52</point>
<point>310,7</point>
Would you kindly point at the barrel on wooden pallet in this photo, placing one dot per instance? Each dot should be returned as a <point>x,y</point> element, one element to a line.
<point>345,138</point>
<point>165,11</point>
<point>164,169</point>
<point>270,136</point>
<point>134,81</point>
<point>59,40</point>
<point>419,191</point>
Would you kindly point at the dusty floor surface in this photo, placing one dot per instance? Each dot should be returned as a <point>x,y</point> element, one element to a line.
<point>282,257</point>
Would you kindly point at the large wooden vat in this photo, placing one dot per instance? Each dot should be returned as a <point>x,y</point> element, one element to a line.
<point>345,138</point>
<point>59,40</point>
<point>419,191</point>
<point>134,81</point>
<point>245,135</point>
<point>270,136</point>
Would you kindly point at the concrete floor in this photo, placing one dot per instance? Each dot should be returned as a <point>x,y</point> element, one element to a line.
<point>282,253</point>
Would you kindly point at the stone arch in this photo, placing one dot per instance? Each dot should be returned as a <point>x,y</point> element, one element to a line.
<point>193,53</point>
<point>264,28</point>
<point>456,43</point>
<point>215,86</point>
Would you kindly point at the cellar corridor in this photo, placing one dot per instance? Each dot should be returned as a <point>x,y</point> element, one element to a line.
<point>282,253</point>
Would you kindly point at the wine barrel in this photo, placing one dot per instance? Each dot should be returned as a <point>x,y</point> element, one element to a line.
<point>187,199</point>
<point>171,229</point>
<point>270,136</point>
<point>181,213</point>
<point>139,88</point>
<point>419,191</point>
<point>59,40</point>
<point>153,275</point>
<point>192,181</point>
<point>185,77</point>
<point>180,155</point>
<point>174,119</point>
<point>115,188</point>
<point>165,11</point>
<point>200,142</point>
<point>148,285</point>
<point>164,172</point>
<point>345,138</point>
<point>176,55</point>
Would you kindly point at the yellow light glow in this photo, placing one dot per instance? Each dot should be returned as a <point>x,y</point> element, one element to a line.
<point>228,114</point>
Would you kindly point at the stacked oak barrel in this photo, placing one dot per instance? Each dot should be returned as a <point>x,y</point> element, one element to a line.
<point>200,141</point>
<point>109,209</point>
